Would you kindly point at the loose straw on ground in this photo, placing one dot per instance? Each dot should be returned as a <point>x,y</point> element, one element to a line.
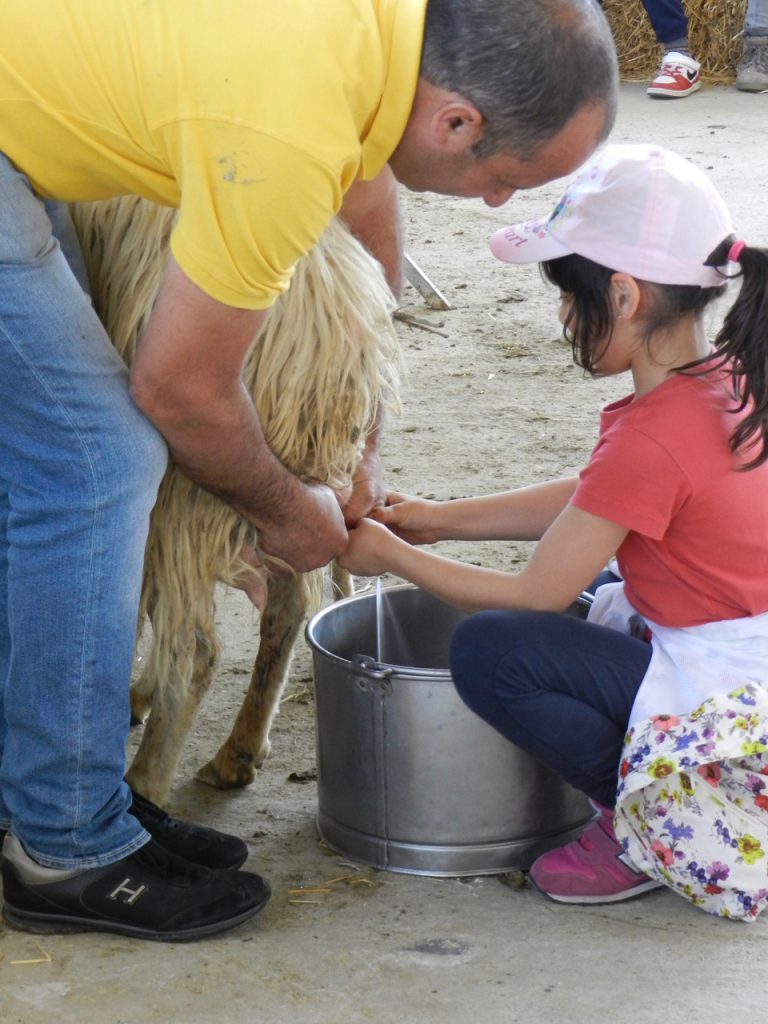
<point>353,880</point>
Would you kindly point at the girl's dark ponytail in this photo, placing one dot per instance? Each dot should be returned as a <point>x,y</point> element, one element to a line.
<point>743,340</point>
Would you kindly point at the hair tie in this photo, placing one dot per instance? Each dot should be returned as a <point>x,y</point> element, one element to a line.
<point>735,251</point>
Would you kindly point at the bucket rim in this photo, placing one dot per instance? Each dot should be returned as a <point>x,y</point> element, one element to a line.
<point>394,669</point>
<point>584,599</point>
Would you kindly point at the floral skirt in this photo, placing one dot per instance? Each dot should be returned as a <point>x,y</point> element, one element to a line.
<point>692,804</point>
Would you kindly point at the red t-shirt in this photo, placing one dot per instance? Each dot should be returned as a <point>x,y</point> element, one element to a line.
<point>698,547</point>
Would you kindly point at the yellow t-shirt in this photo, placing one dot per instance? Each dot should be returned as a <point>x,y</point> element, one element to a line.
<point>252,116</point>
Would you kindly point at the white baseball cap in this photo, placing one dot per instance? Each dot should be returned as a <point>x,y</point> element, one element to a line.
<point>638,209</point>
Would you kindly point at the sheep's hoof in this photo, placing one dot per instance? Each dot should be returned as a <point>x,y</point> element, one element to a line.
<point>236,775</point>
<point>140,708</point>
<point>147,787</point>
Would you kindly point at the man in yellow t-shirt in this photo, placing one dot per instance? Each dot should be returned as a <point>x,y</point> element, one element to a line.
<point>260,120</point>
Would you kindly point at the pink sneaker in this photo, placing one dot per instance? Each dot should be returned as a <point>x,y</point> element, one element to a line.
<point>679,76</point>
<point>591,869</point>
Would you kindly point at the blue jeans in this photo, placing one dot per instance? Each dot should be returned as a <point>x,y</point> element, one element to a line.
<point>668,20</point>
<point>756,20</point>
<point>79,472</point>
<point>557,687</point>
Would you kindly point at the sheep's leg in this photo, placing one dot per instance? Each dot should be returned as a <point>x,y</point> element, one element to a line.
<point>247,746</point>
<point>341,582</point>
<point>143,689</point>
<point>174,706</point>
<point>141,696</point>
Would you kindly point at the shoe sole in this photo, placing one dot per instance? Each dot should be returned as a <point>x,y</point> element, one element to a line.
<point>638,890</point>
<point>54,924</point>
<point>234,865</point>
<point>670,94</point>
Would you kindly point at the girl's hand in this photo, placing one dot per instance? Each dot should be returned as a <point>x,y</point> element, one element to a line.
<point>366,553</point>
<point>413,519</point>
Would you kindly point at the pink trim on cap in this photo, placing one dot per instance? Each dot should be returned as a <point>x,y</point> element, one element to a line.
<point>735,251</point>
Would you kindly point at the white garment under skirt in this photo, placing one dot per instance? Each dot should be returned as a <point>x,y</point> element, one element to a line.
<point>692,798</point>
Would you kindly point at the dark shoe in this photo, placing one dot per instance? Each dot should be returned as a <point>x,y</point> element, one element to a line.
<point>149,895</point>
<point>752,72</point>
<point>194,843</point>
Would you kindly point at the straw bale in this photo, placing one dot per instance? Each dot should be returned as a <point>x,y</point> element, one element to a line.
<point>715,29</point>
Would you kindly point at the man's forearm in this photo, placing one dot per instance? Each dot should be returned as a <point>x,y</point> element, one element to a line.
<point>371,210</point>
<point>187,379</point>
<point>223,449</point>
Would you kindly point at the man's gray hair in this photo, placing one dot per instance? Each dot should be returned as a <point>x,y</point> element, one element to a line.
<point>527,65</point>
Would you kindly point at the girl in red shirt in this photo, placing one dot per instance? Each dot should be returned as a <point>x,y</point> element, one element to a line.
<point>657,705</point>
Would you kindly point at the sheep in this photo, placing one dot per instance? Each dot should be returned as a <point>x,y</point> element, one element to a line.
<point>323,366</point>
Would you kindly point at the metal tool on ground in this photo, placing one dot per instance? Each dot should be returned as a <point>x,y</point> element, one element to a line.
<point>428,290</point>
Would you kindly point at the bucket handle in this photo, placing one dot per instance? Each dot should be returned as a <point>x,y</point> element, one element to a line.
<point>370,674</point>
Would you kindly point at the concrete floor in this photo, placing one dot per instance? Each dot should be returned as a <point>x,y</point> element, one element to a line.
<point>400,950</point>
<point>393,949</point>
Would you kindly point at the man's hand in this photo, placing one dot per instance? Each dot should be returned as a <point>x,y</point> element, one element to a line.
<point>368,490</point>
<point>311,534</point>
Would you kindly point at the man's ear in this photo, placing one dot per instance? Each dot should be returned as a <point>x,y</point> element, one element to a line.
<point>457,124</point>
<point>625,296</point>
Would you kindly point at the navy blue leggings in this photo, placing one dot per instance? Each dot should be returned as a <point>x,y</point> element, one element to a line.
<point>558,687</point>
<point>668,19</point>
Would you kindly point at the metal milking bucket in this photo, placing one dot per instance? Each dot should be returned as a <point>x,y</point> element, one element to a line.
<point>409,779</point>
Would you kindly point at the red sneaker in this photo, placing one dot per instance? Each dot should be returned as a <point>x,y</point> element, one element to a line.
<point>679,76</point>
<point>591,869</point>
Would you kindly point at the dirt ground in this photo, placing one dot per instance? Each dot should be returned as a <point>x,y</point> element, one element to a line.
<point>492,401</point>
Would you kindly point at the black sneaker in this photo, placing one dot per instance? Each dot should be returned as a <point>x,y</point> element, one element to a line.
<point>151,894</point>
<point>194,843</point>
